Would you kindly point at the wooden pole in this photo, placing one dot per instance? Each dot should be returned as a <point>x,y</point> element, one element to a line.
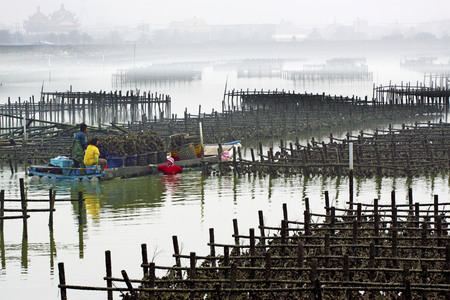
<point>192,273</point>
<point>261,228</point>
<point>144,258</point>
<point>176,251</point>
<point>128,284</point>
<point>62,281</point>
<point>213,250</point>
<point>52,206</point>
<point>236,234</point>
<point>108,265</point>
<point>24,208</point>
<point>2,209</point>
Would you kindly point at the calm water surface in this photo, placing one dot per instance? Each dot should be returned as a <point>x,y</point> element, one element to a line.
<point>120,215</point>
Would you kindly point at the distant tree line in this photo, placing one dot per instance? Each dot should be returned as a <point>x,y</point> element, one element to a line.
<point>71,38</point>
<point>167,37</point>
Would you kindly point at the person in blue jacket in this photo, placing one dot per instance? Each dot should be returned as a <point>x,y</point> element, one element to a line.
<point>78,147</point>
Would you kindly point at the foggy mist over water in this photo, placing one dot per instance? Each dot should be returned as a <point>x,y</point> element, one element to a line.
<point>80,45</point>
<point>26,70</point>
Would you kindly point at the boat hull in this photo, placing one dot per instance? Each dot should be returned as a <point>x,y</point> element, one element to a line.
<point>74,174</point>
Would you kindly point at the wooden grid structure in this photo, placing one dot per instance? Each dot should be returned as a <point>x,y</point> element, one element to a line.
<point>157,73</point>
<point>408,151</point>
<point>24,210</point>
<point>92,108</point>
<point>366,251</point>
<point>265,114</point>
<point>440,80</point>
<point>409,94</point>
<point>247,115</point>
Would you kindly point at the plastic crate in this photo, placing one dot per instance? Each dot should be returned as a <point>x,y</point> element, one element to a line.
<point>61,162</point>
<point>115,162</point>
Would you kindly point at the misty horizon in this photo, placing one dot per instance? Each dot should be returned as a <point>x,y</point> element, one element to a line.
<point>101,13</point>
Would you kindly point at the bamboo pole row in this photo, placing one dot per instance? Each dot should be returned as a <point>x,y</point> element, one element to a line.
<point>404,152</point>
<point>94,108</point>
<point>24,210</point>
<point>260,114</point>
<point>317,260</point>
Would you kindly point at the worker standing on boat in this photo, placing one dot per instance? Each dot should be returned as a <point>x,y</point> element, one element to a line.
<point>92,156</point>
<point>170,168</point>
<point>78,147</point>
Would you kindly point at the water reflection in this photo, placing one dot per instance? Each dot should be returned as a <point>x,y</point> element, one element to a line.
<point>52,252</point>
<point>393,183</point>
<point>81,240</point>
<point>24,259</point>
<point>202,197</point>
<point>116,194</point>
<point>378,181</point>
<point>171,186</point>
<point>116,213</point>
<point>305,184</point>
<point>2,248</point>
<point>336,187</point>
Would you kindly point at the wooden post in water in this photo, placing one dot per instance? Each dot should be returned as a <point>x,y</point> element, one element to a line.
<point>144,259</point>
<point>128,284</point>
<point>236,235</point>
<point>176,251</point>
<point>151,278</point>
<point>51,195</point>
<point>212,248</point>
<point>261,155</point>
<point>192,274</point>
<point>376,224</point>
<point>62,281</point>
<point>394,209</point>
<point>2,209</point>
<point>350,175</point>
<point>108,273</point>
<point>436,210</point>
<point>327,203</point>
<point>261,229</point>
<point>24,208</point>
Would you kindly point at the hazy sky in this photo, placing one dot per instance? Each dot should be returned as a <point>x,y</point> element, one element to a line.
<point>312,12</point>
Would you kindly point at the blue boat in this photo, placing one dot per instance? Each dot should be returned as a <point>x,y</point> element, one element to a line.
<point>60,168</point>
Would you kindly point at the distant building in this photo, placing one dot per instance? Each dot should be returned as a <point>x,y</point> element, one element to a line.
<point>37,23</point>
<point>61,21</point>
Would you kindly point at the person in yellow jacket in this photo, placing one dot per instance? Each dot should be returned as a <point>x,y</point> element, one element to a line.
<point>92,156</point>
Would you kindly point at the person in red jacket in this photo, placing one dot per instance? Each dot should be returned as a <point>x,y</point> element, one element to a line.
<point>170,168</point>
